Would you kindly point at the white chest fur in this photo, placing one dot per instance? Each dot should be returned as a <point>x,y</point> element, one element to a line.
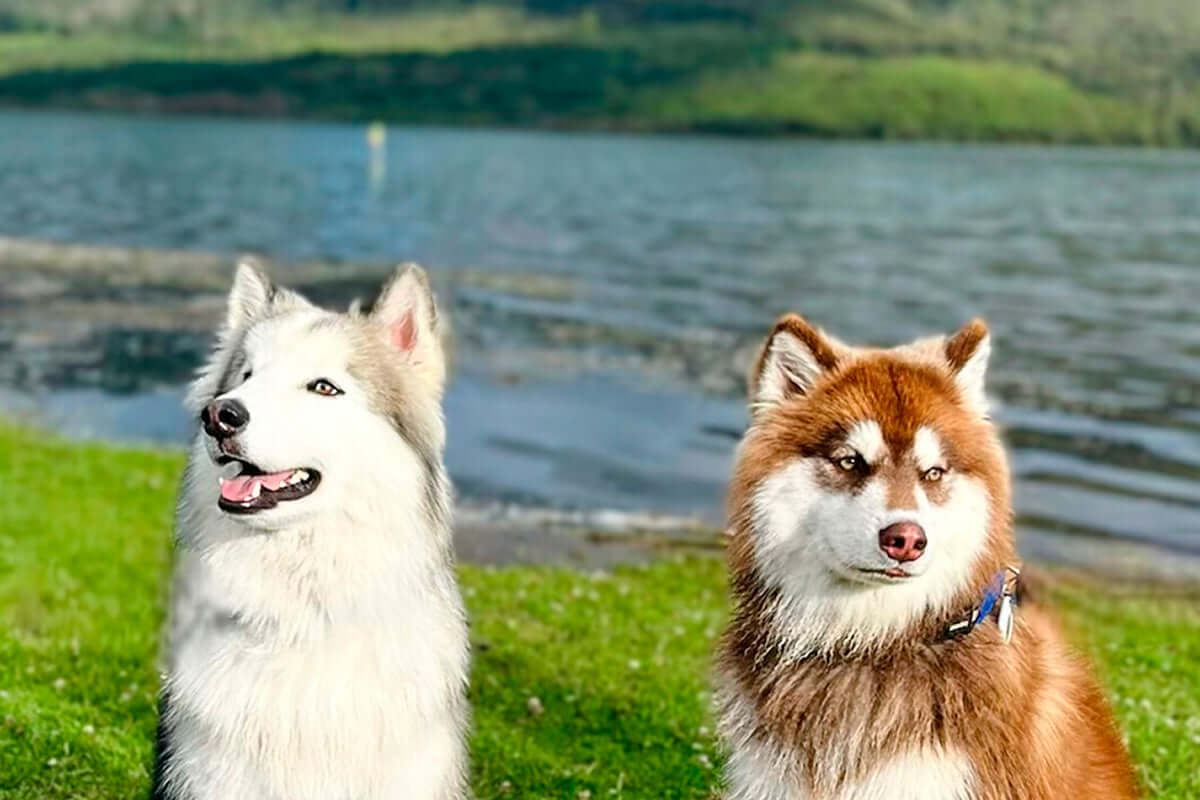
<point>759,771</point>
<point>917,775</point>
<point>362,705</point>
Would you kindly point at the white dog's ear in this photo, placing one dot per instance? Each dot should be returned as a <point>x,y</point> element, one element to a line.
<point>251,298</point>
<point>251,294</point>
<point>407,312</point>
<point>967,353</point>
<point>792,359</point>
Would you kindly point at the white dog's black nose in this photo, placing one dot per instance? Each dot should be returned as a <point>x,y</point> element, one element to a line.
<point>224,418</point>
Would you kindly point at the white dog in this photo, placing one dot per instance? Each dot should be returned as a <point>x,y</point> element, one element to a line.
<point>317,644</point>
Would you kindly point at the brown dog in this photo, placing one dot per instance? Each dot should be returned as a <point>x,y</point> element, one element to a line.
<point>876,649</point>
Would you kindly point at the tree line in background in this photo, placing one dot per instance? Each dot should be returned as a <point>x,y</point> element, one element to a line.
<point>1143,56</point>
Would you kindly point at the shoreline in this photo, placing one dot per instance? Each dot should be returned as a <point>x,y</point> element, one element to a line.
<point>583,129</point>
<point>765,129</point>
<point>53,373</point>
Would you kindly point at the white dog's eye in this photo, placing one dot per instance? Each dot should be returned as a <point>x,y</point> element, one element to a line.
<point>933,474</point>
<point>850,463</point>
<point>324,387</point>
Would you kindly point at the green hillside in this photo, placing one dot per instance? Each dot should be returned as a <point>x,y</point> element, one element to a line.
<point>1098,71</point>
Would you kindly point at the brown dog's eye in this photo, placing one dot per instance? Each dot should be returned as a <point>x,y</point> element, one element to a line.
<point>324,387</point>
<point>933,474</point>
<point>850,463</point>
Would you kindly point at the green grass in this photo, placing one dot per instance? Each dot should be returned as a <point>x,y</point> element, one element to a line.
<point>618,661</point>
<point>1052,71</point>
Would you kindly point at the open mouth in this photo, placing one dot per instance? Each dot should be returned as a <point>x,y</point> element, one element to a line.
<point>251,490</point>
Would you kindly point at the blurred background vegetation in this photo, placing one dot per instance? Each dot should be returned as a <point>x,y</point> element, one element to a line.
<point>1095,71</point>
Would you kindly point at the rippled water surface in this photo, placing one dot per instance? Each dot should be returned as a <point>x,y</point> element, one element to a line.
<point>607,291</point>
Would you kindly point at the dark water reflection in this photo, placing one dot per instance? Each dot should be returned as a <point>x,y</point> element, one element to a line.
<point>606,290</point>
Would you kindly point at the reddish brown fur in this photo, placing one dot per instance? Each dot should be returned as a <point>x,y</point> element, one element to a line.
<point>961,345</point>
<point>1028,714</point>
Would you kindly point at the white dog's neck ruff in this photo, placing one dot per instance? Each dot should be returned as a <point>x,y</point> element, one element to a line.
<point>361,557</point>
<point>265,622</point>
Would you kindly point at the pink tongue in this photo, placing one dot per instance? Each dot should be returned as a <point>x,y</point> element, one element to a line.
<point>238,489</point>
<point>243,487</point>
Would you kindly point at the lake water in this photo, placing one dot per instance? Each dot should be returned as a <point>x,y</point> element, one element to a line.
<point>607,292</point>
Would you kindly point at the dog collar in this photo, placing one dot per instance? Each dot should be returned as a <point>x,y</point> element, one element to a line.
<point>1000,598</point>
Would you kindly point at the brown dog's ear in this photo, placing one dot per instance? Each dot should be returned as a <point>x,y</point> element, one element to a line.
<point>791,361</point>
<point>967,353</point>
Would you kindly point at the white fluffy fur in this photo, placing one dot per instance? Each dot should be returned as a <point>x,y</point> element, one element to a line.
<point>927,449</point>
<point>811,543</point>
<point>866,439</point>
<point>318,650</point>
<point>758,770</point>
<point>407,312</point>
<point>931,774</point>
<point>250,293</point>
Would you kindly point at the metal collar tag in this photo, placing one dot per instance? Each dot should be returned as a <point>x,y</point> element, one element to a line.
<point>1004,618</point>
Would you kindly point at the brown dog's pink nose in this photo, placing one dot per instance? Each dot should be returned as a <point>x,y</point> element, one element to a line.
<point>903,541</point>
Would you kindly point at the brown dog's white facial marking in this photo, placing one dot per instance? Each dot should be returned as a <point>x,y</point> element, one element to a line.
<point>931,465</point>
<point>866,439</point>
<point>927,449</point>
<point>869,501</point>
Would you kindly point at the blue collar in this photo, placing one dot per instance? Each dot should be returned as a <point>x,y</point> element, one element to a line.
<point>1000,598</point>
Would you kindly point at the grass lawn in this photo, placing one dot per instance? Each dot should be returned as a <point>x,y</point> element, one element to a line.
<point>618,661</point>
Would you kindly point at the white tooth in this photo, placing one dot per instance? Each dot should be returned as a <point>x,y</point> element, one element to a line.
<point>301,475</point>
<point>257,490</point>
